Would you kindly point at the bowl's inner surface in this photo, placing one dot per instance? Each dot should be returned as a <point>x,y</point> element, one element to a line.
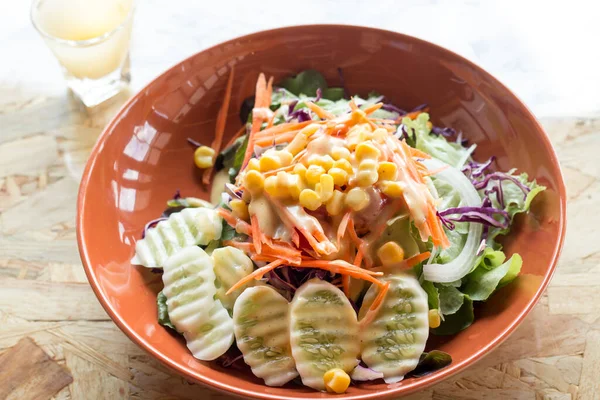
<point>144,158</point>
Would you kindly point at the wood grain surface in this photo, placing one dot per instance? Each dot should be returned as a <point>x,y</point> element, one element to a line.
<point>44,295</point>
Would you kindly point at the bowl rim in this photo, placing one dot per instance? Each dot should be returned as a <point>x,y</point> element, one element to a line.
<point>421,383</point>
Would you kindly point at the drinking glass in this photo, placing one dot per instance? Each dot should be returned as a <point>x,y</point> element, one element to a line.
<point>90,39</point>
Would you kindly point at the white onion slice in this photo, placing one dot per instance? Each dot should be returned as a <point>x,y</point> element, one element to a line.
<point>461,265</point>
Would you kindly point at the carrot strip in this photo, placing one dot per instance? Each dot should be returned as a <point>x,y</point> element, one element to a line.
<point>358,242</point>
<point>282,128</point>
<point>256,234</point>
<point>353,105</point>
<point>295,238</point>
<point>359,256</point>
<point>414,260</point>
<point>372,108</point>
<point>435,171</point>
<point>342,227</point>
<point>220,126</point>
<point>376,305</point>
<point>418,153</point>
<point>239,225</point>
<point>321,113</point>
<point>340,264</point>
<point>256,274</point>
<point>261,100</point>
<point>246,247</point>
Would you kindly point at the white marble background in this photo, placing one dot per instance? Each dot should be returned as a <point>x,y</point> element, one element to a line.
<point>546,51</point>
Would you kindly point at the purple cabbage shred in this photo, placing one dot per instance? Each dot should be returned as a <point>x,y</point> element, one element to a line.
<point>194,143</point>
<point>319,95</point>
<point>482,215</point>
<point>152,224</point>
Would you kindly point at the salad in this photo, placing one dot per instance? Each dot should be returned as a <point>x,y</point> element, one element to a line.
<point>346,231</point>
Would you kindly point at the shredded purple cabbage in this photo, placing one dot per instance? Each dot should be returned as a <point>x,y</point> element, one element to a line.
<point>474,169</point>
<point>177,195</point>
<point>152,224</point>
<point>319,95</point>
<point>501,176</point>
<point>302,115</point>
<point>392,108</point>
<point>445,132</point>
<point>194,143</point>
<point>482,215</point>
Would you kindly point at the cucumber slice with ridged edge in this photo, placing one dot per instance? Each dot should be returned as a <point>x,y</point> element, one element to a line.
<point>395,339</point>
<point>323,332</point>
<point>188,227</point>
<point>260,317</point>
<point>213,338</point>
<point>231,265</point>
<point>189,287</point>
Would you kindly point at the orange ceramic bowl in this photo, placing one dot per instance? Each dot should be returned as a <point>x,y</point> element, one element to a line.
<point>142,158</point>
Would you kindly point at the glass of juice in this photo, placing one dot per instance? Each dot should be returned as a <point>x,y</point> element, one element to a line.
<point>90,39</point>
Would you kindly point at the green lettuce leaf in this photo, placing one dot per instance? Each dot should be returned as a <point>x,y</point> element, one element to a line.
<point>433,295</point>
<point>458,321</point>
<point>482,282</point>
<point>451,299</point>
<point>306,82</point>
<point>163,314</point>
<point>238,159</point>
<point>430,362</point>
<point>436,146</point>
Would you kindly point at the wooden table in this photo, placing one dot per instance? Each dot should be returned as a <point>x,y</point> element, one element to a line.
<point>44,142</point>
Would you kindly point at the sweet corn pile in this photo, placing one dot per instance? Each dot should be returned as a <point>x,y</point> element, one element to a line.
<point>316,169</point>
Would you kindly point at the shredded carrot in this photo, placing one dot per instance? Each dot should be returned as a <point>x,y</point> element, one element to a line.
<point>358,242</point>
<point>414,260</point>
<point>435,171</point>
<point>376,305</point>
<point>321,113</point>
<point>246,247</point>
<point>359,256</point>
<point>283,128</point>
<point>262,98</point>
<point>220,126</point>
<point>346,285</point>
<point>256,274</point>
<point>372,108</point>
<point>342,269</point>
<point>353,105</point>
<point>342,227</point>
<point>256,234</point>
<point>418,153</point>
<point>239,225</point>
<point>295,238</point>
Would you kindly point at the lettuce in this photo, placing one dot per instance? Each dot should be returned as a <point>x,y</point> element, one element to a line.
<point>437,146</point>
<point>163,313</point>
<point>482,282</point>
<point>456,322</point>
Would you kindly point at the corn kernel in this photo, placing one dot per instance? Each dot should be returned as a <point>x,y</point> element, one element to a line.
<point>313,174</point>
<point>366,150</point>
<point>343,164</point>
<point>368,165</point>
<point>335,205</point>
<point>324,161</point>
<point>387,171</point>
<point>325,187</point>
<point>357,199</point>
<point>390,254</point>
<point>269,162</point>
<point>336,380</point>
<point>340,153</point>
<point>434,319</point>
<point>239,208</point>
<point>391,188</point>
<point>204,157</point>
<point>300,170</point>
<point>365,135</point>
<point>254,181</point>
<point>310,199</point>
<point>297,144</point>
<point>366,178</point>
<point>285,157</point>
<point>310,130</point>
<point>340,177</point>
<point>253,164</point>
<point>276,186</point>
<point>295,185</point>
<point>380,134</point>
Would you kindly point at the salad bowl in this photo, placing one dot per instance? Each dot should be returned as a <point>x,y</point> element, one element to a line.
<point>143,158</point>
